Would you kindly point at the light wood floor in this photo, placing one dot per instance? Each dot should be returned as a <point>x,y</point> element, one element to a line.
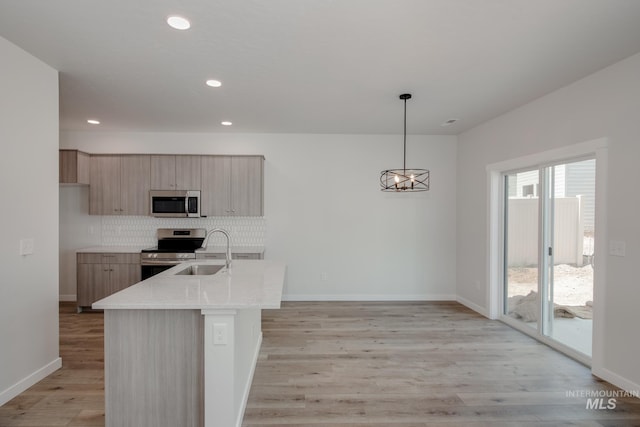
<point>421,364</point>
<point>74,394</point>
<point>336,364</point>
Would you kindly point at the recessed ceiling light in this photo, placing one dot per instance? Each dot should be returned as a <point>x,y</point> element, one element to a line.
<point>93,121</point>
<point>214,83</point>
<point>226,123</point>
<point>449,122</point>
<point>178,22</point>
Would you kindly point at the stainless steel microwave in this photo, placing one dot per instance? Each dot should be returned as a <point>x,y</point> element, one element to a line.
<point>175,203</point>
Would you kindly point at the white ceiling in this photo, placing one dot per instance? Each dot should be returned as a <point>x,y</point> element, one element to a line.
<point>314,66</point>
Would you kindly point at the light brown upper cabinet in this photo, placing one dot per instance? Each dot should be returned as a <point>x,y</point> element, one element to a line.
<point>120,185</point>
<point>74,167</point>
<point>170,172</point>
<point>232,185</point>
<point>247,185</point>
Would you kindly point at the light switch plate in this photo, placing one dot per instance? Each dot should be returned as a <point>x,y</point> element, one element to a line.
<point>26,246</point>
<point>617,248</point>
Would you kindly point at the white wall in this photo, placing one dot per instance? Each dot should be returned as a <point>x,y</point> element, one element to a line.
<point>77,230</point>
<point>603,105</point>
<point>325,212</point>
<point>29,177</point>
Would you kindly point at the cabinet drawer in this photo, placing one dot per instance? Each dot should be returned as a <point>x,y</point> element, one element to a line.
<point>233,255</point>
<point>210,256</point>
<point>108,258</point>
<point>245,256</point>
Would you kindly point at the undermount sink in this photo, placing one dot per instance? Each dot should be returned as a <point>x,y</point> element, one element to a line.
<point>200,270</point>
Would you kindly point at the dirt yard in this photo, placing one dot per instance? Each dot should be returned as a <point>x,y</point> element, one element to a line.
<point>572,285</point>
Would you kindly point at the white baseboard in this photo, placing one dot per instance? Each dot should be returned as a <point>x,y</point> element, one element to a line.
<point>247,386</point>
<point>473,306</point>
<point>617,380</point>
<point>69,297</point>
<point>30,380</point>
<point>368,297</point>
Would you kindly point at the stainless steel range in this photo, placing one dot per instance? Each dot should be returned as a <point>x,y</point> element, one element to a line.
<point>175,245</point>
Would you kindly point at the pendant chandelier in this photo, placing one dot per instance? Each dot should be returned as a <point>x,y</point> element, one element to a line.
<point>409,180</point>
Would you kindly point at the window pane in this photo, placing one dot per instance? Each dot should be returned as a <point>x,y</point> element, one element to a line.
<point>521,247</point>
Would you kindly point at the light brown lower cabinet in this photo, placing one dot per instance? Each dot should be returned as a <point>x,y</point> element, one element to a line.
<point>102,274</point>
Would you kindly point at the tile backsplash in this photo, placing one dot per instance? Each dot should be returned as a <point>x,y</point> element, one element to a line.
<point>141,230</point>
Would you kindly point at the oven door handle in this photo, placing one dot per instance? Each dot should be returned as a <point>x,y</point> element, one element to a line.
<point>161,262</point>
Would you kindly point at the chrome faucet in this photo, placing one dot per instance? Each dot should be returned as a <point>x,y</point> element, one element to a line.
<point>226,233</point>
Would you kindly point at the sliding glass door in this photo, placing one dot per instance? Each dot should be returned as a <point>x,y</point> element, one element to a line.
<point>570,287</point>
<point>521,213</point>
<point>548,250</point>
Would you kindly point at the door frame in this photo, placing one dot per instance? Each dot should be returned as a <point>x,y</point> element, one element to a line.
<point>597,148</point>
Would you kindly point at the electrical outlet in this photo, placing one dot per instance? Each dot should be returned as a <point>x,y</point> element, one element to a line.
<point>323,276</point>
<point>26,246</point>
<point>220,334</point>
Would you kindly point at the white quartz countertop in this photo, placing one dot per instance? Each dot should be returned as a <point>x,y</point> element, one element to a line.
<point>247,284</point>
<point>112,249</point>
<point>234,249</point>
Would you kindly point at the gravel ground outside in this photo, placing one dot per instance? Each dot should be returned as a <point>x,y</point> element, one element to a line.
<point>572,285</point>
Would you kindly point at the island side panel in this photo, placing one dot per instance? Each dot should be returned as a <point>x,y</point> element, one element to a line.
<point>154,368</point>
<point>232,346</point>
<point>248,330</point>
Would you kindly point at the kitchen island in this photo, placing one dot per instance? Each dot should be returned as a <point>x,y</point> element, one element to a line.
<point>180,349</point>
